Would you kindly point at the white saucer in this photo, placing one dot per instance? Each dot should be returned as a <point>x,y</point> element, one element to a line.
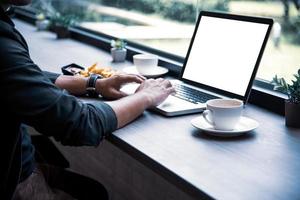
<point>155,73</point>
<point>245,125</point>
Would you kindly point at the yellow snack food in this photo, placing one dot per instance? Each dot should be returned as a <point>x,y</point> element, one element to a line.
<point>84,73</point>
<point>94,69</point>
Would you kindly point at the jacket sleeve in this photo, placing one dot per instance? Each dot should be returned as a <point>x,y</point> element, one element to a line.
<point>51,76</point>
<point>36,101</point>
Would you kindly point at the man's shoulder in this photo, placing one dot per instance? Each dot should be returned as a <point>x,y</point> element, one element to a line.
<point>7,34</point>
<point>5,27</point>
<point>8,38</point>
<point>12,49</point>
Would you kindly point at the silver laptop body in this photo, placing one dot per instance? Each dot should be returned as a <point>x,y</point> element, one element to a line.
<point>222,60</point>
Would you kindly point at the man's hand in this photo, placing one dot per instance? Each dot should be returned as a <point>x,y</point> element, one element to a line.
<point>156,90</point>
<point>109,88</point>
<point>149,94</point>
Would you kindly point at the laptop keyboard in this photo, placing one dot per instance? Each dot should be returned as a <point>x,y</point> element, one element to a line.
<point>192,95</point>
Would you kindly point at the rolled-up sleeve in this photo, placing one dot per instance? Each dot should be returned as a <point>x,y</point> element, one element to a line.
<point>36,101</point>
<point>51,75</point>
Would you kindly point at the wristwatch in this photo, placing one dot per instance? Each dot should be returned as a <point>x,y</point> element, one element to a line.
<point>91,85</point>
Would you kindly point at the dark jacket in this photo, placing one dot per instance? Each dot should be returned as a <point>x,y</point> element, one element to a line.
<point>29,97</point>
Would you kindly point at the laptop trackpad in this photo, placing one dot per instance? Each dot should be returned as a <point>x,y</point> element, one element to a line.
<point>172,104</point>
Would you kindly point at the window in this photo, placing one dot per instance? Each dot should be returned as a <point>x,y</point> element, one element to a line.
<point>168,25</point>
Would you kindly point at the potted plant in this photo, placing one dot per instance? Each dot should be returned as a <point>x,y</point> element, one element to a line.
<point>292,104</point>
<point>60,24</point>
<point>41,22</point>
<point>118,50</point>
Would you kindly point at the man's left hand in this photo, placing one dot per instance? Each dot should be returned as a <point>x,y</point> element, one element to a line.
<point>110,87</point>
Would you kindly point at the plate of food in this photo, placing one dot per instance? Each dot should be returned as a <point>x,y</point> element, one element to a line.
<point>77,70</point>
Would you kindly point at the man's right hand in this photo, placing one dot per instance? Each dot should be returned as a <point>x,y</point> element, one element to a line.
<point>156,90</point>
<point>149,94</point>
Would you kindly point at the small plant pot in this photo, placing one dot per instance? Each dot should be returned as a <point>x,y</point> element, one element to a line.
<point>292,114</point>
<point>42,24</point>
<point>61,32</point>
<point>118,55</point>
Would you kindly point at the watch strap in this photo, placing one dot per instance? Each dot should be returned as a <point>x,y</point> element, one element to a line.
<point>91,85</point>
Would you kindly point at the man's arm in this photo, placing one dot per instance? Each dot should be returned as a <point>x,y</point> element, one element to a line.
<point>150,93</point>
<point>34,100</point>
<point>109,88</point>
<point>75,85</point>
<point>32,97</point>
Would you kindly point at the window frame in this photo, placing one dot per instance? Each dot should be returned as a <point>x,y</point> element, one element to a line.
<point>262,92</point>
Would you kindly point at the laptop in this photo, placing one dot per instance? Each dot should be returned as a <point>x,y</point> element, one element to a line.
<point>221,62</point>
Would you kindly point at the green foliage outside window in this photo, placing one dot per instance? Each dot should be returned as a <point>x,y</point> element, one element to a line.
<point>65,20</point>
<point>183,11</point>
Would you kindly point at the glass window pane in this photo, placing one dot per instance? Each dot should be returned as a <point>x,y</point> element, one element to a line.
<point>168,24</point>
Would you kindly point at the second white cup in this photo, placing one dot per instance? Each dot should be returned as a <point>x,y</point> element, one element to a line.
<point>223,114</point>
<point>145,63</point>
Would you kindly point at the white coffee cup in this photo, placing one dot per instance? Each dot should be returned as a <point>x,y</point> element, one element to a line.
<point>145,63</point>
<point>223,114</point>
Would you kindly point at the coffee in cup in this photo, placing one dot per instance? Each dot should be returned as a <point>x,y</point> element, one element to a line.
<point>223,114</point>
<point>145,63</point>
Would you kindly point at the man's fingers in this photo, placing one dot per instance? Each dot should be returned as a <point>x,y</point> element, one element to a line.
<point>118,94</point>
<point>166,83</point>
<point>142,77</point>
<point>138,75</point>
<point>128,78</point>
<point>160,80</point>
<point>171,90</point>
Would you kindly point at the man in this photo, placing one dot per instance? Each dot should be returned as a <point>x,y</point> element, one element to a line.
<point>33,97</point>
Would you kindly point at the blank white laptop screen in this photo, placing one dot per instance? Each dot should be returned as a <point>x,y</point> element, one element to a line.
<point>224,53</point>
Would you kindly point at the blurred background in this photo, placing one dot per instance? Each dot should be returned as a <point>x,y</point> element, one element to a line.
<point>168,25</point>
